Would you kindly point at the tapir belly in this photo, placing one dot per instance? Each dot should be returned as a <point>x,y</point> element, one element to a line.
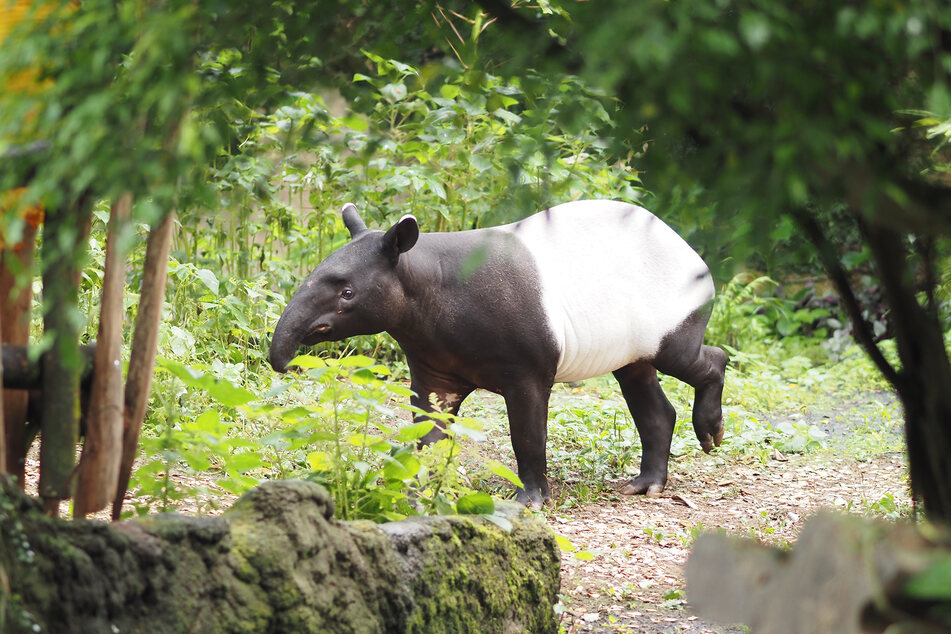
<point>615,281</point>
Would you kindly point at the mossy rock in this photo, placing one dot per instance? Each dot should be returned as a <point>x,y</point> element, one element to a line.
<point>275,562</point>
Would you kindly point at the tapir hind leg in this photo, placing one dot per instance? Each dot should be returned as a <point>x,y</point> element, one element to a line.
<point>683,356</point>
<point>654,418</point>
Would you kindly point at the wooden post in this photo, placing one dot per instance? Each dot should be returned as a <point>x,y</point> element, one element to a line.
<point>98,471</point>
<point>64,245</point>
<point>142,356</point>
<point>3,448</point>
<point>16,295</point>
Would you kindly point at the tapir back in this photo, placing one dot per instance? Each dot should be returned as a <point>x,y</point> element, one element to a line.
<point>615,281</point>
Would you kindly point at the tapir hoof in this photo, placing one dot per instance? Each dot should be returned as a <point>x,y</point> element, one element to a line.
<point>531,499</point>
<point>710,440</point>
<point>643,486</point>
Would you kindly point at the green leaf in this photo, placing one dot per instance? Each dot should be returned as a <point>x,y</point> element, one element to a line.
<point>755,29</point>
<point>508,117</point>
<point>498,520</point>
<point>461,429</point>
<point>355,361</point>
<point>227,394</point>
<point>502,471</point>
<point>415,432</point>
<point>319,461</point>
<point>363,440</point>
<point>244,461</point>
<point>475,504</point>
<point>355,122</point>
<point>787,326</point>
<point>449,91</point>
<point>403,466</point>
<point>394,92</point>
<point>564,544</point>
<point>221,390</point>
<point>934,582</point>
<point>208,279</point>
<point>307,361</point>
<point>364,376</point>
<point>400,390</point>
<point>208,421</point>
<point>188,376</point>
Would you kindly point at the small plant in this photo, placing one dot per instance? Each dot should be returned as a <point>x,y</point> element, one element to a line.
<point>887,507</point>
<point>656,534</point>
<point>738,312</point>
<point>346,438</point>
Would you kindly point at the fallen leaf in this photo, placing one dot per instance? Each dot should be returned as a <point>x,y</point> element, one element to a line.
<point>685,500</point>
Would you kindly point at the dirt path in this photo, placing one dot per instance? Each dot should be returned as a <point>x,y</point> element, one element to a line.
<point>635,583</point>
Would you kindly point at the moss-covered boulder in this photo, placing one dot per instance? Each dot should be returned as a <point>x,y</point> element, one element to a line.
<point>275,562</point>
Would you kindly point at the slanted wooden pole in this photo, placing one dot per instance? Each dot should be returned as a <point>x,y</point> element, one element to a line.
<point>64,246</point>
<point>142,356</point>
<point>98,472</point>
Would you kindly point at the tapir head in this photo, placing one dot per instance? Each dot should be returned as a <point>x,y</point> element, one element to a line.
<point>355,291</point>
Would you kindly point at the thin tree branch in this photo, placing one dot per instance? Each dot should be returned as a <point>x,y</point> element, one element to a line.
<point>931,280</point>
<point>837,275</point>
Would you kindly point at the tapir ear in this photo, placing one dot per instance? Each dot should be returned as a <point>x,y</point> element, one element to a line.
<point>352,220</point>
<point>401,237</point>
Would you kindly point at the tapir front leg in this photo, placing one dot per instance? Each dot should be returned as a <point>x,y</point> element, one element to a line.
<point>431,396</point>
<point>527,406</point>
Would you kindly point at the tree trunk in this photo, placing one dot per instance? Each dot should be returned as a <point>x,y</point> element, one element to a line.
<point>64,246</point>
<point>142,357</point>
<point>924,383</point>
<point>98,471</point>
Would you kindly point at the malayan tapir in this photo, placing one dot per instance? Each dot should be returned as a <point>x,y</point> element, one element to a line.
<point>575,291</point>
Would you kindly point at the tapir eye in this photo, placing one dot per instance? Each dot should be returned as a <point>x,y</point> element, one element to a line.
<point>347,293</point>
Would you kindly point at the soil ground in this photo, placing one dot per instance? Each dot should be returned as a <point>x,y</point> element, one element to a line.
<point>635,581</point>
<point>628,574</point>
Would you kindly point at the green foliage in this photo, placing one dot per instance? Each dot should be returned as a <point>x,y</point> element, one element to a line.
<point>456,148</point>
<point>932,587</point>
<point>768,105</point>
<point>738,314</point>
<point>346,437</point>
